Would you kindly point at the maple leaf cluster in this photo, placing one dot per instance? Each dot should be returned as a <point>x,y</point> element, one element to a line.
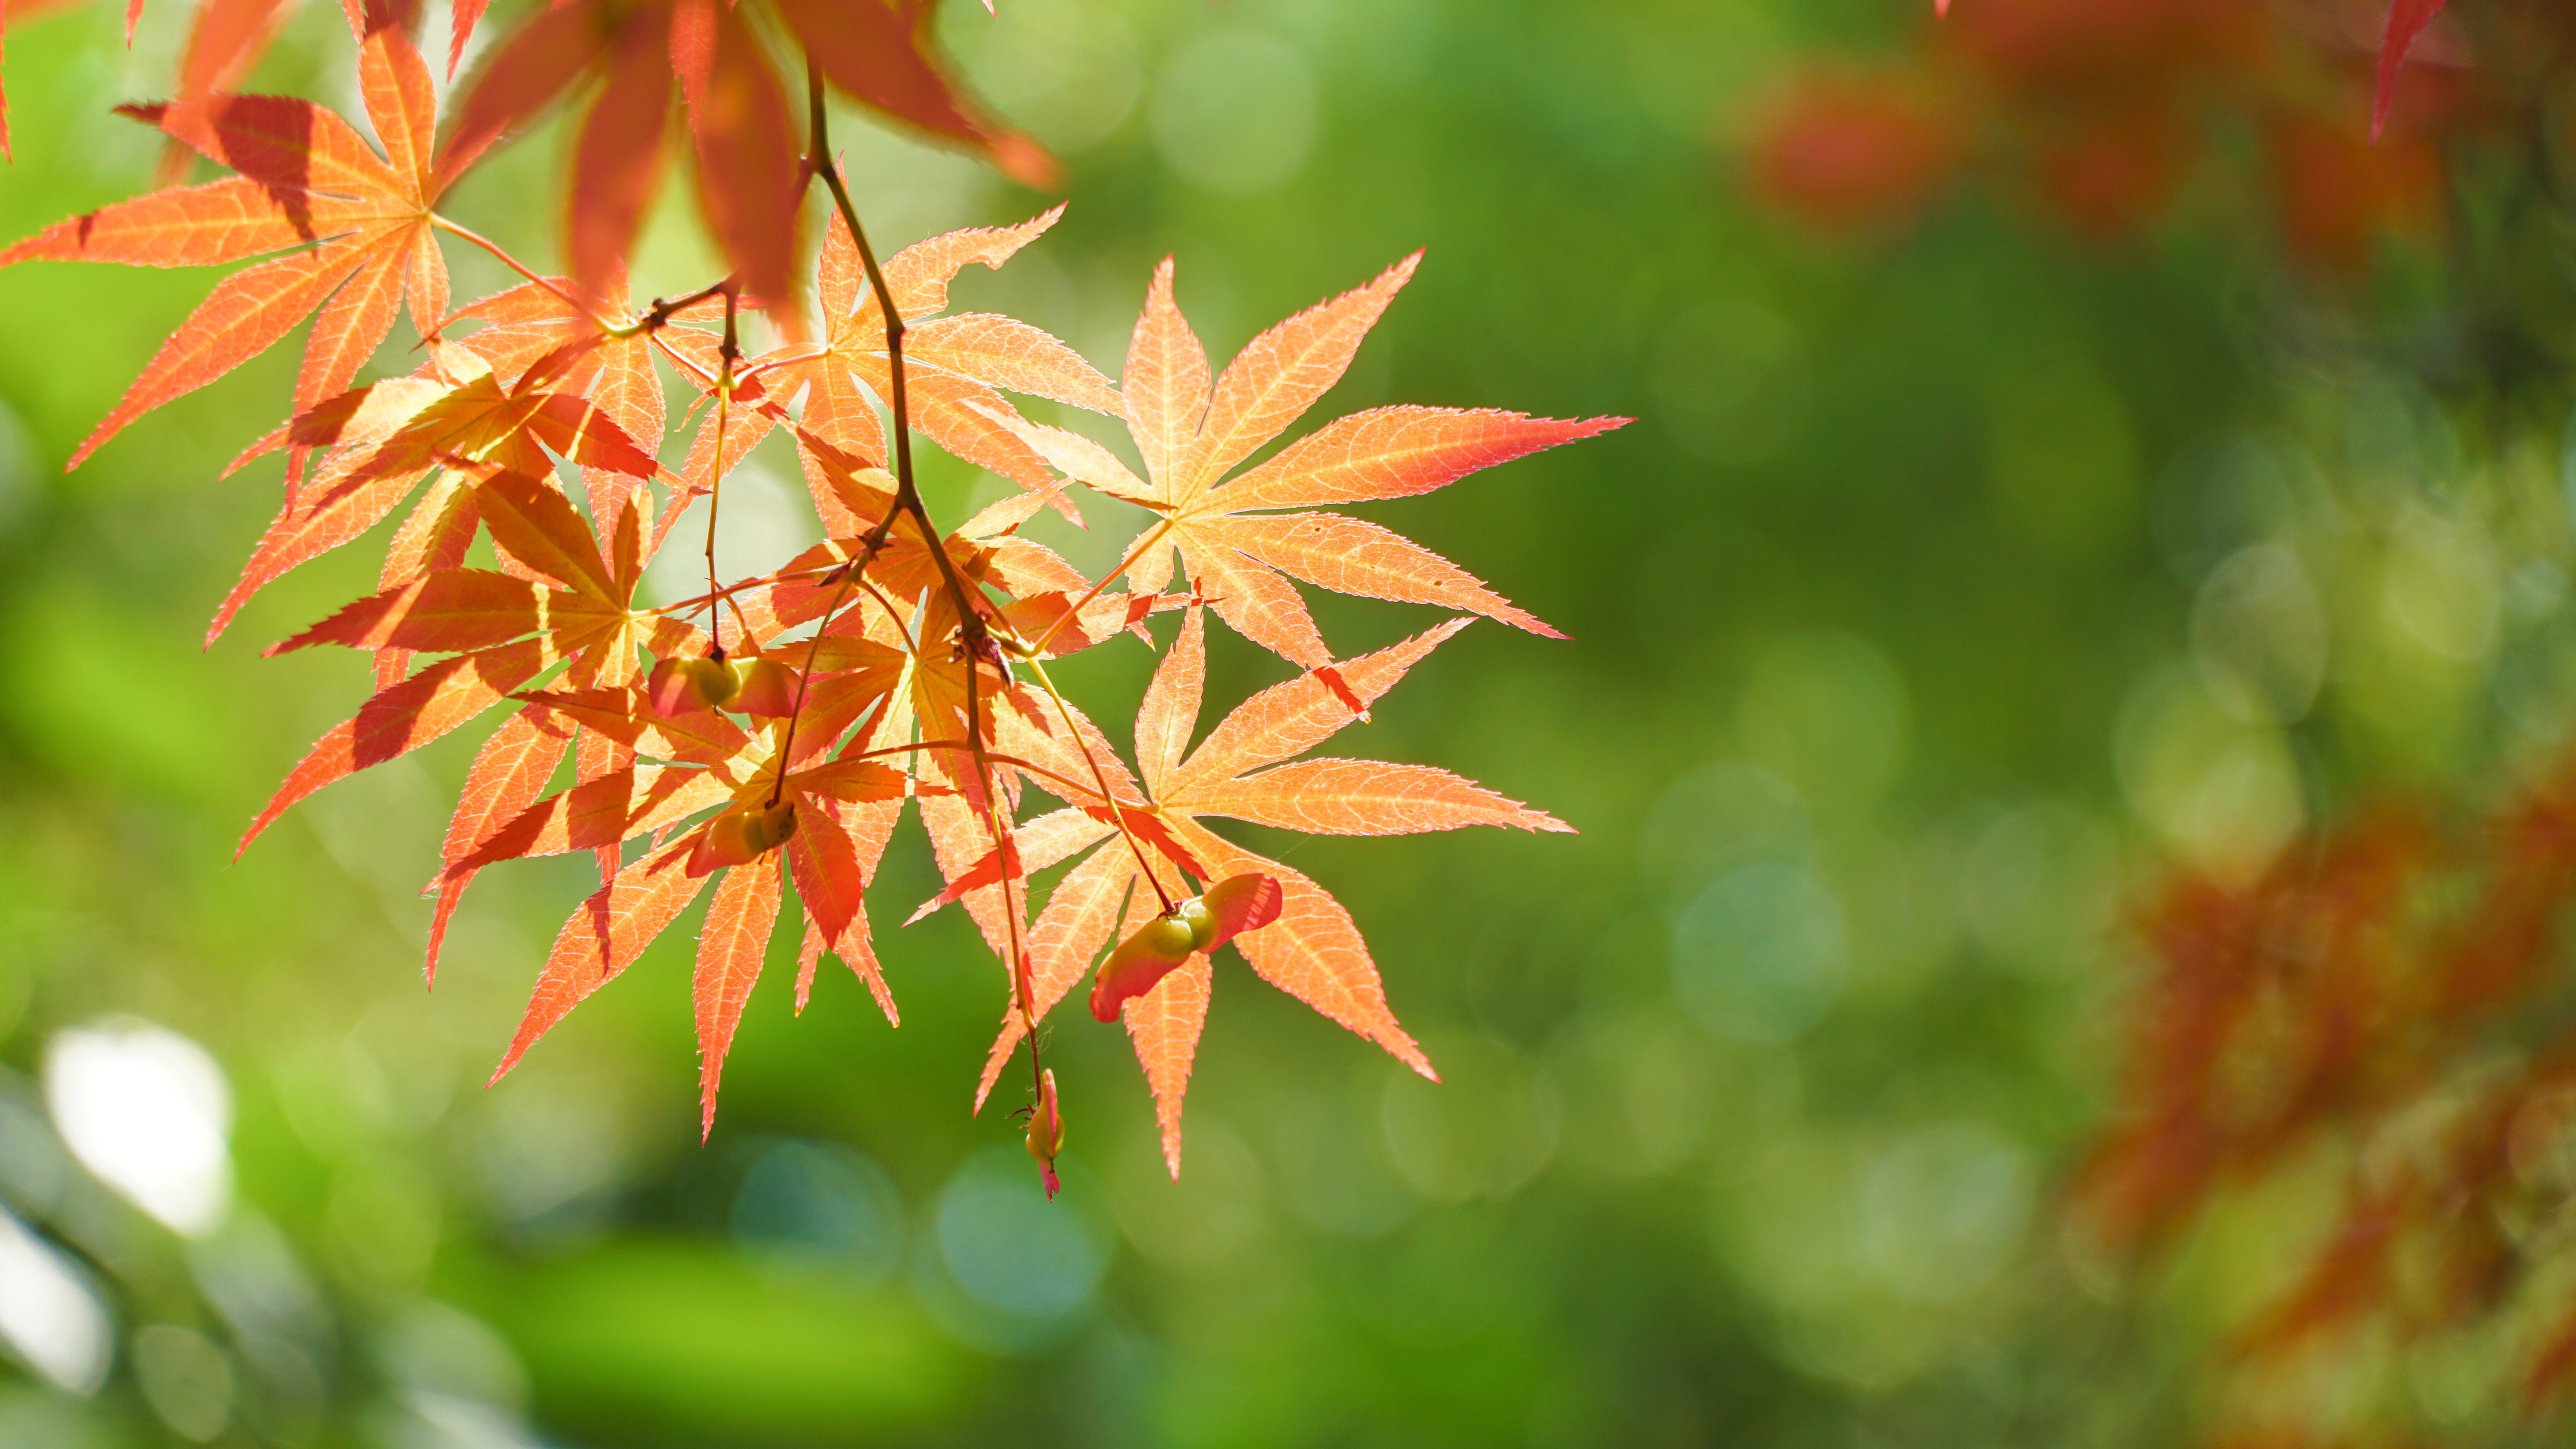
<point>2103,110</point>
<point>628,59</point>
<point>764,739</point>
<point>2369,996</point>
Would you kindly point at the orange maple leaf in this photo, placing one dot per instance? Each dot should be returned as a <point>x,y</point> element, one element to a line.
<point>953,365</point>
<point>390,435</point>
<point>656,771</point>
<point>563,602</point>
<point>1244,770</point>
<point>749,170</point>
<point>604,356</point>
<point>956,369</point>
<point>1234,546</point>
<point>840,825</point>
<point>359,226</point>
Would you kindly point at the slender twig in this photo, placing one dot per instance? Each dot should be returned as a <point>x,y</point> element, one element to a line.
<point>685,363</point>
<point>507,260</point>
<point>762,581</point>
<point>902,629</point>
<point>804,681</point>
<point>987,780</point>
<point>664,309</point>
<point>974,637</point>
<point>970,621</point>
<point>783,358</point>
<point>850,571</point>
<point>650,324</point>
<point>729,353</point>
<point>1023,982</point>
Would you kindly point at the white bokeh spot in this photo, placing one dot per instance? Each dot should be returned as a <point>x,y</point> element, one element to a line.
<point>48,1313</point>
<point>147,1112</point>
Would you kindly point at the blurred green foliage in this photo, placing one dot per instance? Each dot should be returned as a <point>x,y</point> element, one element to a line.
<point>1923,611</point>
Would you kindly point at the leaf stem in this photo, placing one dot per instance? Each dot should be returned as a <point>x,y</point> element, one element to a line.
<point>729,353</point>
<point>907,494</point>
<point>513,263</point>
<point>849,572</point>
<point>1151,538</point>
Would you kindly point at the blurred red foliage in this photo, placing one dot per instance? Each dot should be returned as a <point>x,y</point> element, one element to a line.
<point>2103,111</point>
<point>2386,993</point>
<point>1847,149</point>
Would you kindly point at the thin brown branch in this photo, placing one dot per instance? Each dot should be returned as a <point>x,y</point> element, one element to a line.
<point>974,637</point>
<point>729,353</point>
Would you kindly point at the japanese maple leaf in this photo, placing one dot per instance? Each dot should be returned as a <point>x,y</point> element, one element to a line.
<point>563,602</point>
<point>879,53</point>
<point>225,41</point>
<point>842,811</point>
<point>603,355</point>
<point>952,364</point>
<point>390,435</point>
<point>749,170</point>
<point>955,370</point>
<point>1238,551</point>
<point>669,767</point>
<point>1312,951</point>
<point>356,228</point>
<point>566,590</point>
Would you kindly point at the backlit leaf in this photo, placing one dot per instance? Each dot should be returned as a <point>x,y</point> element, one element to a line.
<point>732,947</point>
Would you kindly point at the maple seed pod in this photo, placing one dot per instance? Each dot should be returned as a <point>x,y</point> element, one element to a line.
<point>1139,962</point>
<point>743,836</point>
<point>1201,921</point>
<point>714,679</point>
<point>1171,935</point>
<point>677,686</point>
<point>1238,904</point>
<point>765,687</point>
<point>1046,1130</point>
<point>771,828</point>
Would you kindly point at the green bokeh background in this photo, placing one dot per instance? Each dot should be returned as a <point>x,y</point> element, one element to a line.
<point>1895,667</point>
